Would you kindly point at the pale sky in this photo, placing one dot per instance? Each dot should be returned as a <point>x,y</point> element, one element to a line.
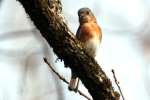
<point>23,75</point>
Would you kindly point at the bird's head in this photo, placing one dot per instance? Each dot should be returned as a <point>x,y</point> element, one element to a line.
<point>85,15</point>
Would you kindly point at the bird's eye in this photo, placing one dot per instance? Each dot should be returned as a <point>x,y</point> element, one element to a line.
<point>87,12</point>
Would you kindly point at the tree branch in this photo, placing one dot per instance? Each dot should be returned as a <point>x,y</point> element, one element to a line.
<point>63,79</point>
<point>117,83</point>
<point>47,17</point>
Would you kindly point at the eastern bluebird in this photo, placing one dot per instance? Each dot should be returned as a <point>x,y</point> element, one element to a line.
<point>89,33</point>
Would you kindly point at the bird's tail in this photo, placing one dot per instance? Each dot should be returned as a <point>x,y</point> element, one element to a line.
<point>74,82</point>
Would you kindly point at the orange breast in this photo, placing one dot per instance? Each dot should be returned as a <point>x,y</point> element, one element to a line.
<point>89,30</point>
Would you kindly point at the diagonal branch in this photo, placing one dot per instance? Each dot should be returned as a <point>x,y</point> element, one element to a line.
<point>63,79</point>
<point>47,17</point>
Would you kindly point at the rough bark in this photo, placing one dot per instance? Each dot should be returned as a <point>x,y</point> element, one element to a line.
<point>47,17</point>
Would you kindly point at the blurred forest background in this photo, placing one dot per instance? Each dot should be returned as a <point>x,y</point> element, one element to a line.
<point>125,48</point>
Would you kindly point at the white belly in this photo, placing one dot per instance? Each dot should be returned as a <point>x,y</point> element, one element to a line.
<point>91,46</point>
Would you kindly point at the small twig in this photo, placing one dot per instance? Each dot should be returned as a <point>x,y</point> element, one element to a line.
<point>63,79</point>
<point>117,83</point>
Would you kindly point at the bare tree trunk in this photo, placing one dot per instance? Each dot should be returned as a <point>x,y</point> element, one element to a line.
<point>47,17</point>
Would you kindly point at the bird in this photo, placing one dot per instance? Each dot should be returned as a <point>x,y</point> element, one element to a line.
<point>89,33</point>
